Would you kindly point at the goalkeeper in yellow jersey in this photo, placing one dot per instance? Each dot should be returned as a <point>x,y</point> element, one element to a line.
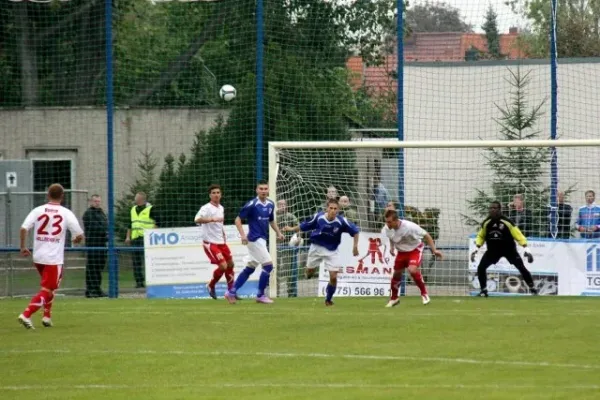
<point>500,234</point>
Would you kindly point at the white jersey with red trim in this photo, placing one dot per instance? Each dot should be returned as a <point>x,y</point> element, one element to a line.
<point>212,232</point>
<point>407,237</point>
<point>51,222</point>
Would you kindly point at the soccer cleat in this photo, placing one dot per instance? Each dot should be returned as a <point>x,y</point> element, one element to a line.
<point>230,297</point>
<point>534,291</point>
<point>47,322</point>
<point>211,292</point>
<point>425,299</point>
<point>264,300</point>
<point>483,293</point>
<point>26,322</point>
<point>328,303</point>
<point>392,303</point>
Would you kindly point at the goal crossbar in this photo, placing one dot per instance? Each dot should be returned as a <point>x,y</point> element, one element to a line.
<point>434,144</point>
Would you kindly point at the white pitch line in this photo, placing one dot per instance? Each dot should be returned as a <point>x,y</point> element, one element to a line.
<point>286,311</point>
<point>237,385</point>
<point>374,357</point>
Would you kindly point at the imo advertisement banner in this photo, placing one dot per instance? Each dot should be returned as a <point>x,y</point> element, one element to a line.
<point>177,267</point>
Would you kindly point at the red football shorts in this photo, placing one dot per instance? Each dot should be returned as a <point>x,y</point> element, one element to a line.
<point>51,275</point>
<point>408,258</point>
<point>217,253</point>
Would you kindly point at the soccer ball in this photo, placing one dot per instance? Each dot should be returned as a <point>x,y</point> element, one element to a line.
<point>227,92</point>
<point>296,240</point>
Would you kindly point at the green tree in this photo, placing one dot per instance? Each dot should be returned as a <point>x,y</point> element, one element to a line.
<point>577,27</point>
<point>436,17</point>
<point>516,170</point>
<point>490,27</point>
<point>53,54</point>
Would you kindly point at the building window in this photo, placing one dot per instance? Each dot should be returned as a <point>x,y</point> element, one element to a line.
<point>47,172</point>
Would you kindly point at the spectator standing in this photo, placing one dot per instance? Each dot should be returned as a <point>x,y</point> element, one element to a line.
<point>95,225</point>
<point>564,217</point>
<point>332,193</point>
<point>380,195</point>
<point>588,218</point>
<point>347,210</point>
<point>143,216</point>
<point>521,216</point>
<point>286,255</point>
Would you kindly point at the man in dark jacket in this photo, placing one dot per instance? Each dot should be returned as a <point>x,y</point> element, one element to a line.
<point>95,225</point>
<point>522,217</point>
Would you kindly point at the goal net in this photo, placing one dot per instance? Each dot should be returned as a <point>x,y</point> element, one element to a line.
<point>445,187</point>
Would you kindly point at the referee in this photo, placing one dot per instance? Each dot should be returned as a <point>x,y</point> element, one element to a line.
<point>500,233</point>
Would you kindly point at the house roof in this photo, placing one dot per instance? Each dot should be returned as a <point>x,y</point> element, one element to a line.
<point>428,47</point>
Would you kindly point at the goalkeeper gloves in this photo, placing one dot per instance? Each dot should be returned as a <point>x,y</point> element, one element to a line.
<point>528,256</point>
<point>473,254</point>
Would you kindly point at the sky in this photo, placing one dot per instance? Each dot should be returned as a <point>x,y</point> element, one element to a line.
<point>473,12</point>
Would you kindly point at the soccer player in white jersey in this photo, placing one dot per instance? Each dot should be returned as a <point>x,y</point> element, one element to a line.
<point>260,214</point>
<point>50,222</point>
<point>327,229</point>
<point>406,237</point>
<point>210,217</point>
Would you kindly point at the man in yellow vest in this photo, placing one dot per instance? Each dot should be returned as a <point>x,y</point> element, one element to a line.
<point>143,216</point>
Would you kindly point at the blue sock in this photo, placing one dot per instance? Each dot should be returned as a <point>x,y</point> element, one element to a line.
<point>330,292</point>
<point>263,281</point>
<point>242,278</point>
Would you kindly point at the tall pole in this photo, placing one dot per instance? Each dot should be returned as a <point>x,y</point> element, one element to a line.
<point>260,106</point>
<point>113,267</point>
<point>400,114</point>
<point>553,124</point>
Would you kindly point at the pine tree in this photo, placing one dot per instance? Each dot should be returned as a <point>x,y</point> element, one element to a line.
<point>517,170</point>
<point>490,27</point>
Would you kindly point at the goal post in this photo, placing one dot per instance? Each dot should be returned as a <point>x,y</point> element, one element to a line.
<point>447,189</point>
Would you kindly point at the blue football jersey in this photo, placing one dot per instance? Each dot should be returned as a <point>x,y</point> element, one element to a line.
<point>258,215</point>
<point>327,233</point>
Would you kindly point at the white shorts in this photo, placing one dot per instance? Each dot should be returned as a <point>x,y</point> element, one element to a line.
<point>258,254</point>
<point>318,254</point>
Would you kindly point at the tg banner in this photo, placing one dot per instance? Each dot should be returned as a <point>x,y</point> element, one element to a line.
<point>177,267</point>
<point>560,267</point>
<point>368,274</point>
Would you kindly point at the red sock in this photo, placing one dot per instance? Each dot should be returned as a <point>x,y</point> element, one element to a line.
<point>394,287</point>
<point>229,275</point>
<point>48,306</point>
<point>36,303</point>
<point>418,278</point>
<point>217,274</point>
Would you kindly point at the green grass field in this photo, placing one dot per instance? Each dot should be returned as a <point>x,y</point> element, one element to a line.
<point>455,348</point>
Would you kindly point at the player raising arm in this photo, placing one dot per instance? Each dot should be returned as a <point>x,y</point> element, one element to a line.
<point>500,233</point>
<point>407,238</point>
<point>50,222</point>
<point>260,214</point>
<point>210,217</point>
<point>327,229</point>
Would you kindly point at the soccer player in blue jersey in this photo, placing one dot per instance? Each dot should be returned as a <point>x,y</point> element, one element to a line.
<point>327,228</point>
<point>260,214</point>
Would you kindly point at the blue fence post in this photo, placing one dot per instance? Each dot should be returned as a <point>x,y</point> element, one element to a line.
<point>113,267</point>
<point>400,114</point>
<point>294,280</point>
<point>260,33</point>
<point>553,123</point>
